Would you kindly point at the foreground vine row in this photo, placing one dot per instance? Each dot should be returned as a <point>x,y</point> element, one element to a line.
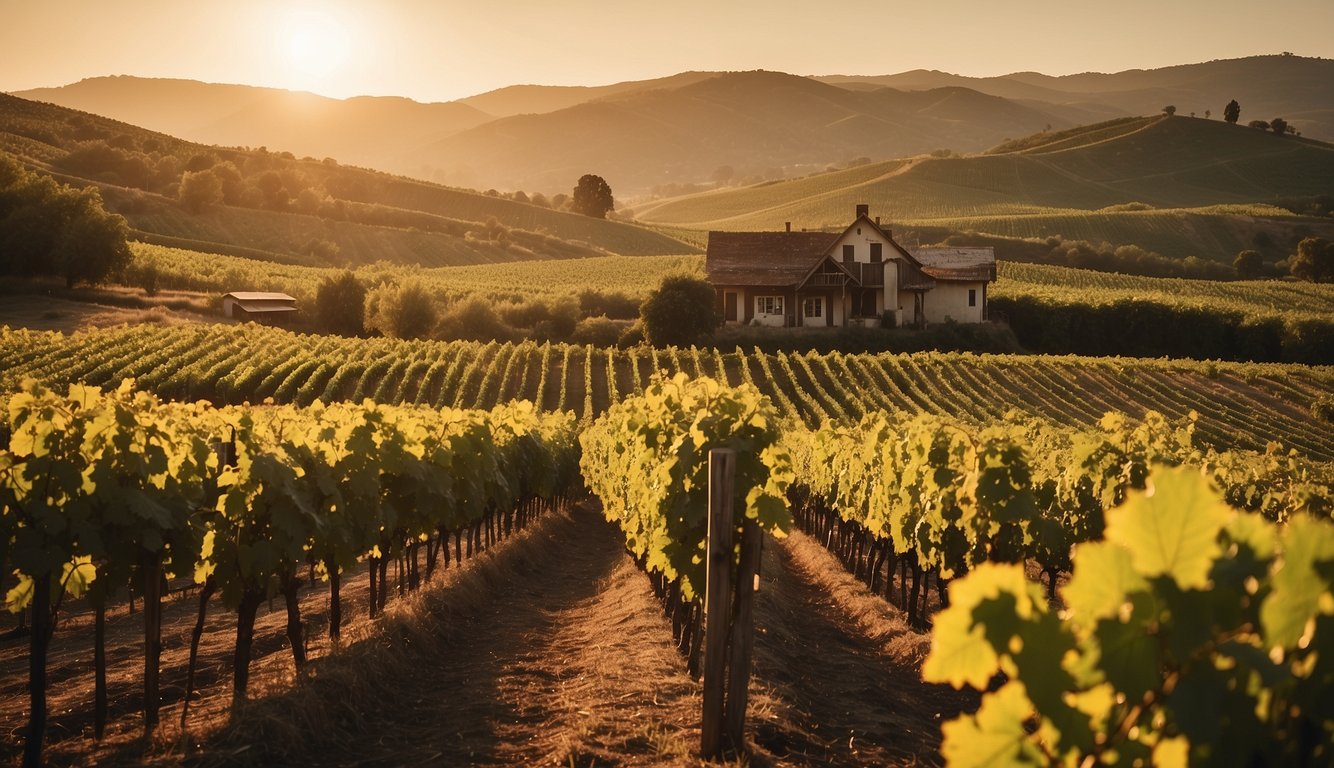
<point>112,494</point>
<point>1238,405</point>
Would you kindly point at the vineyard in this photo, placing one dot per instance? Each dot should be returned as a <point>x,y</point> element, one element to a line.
<point>1242,405</point>
<point>179,269</point>
<point>109,495</point>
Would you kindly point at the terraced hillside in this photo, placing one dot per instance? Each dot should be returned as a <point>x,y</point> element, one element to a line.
<point>1239,405</point>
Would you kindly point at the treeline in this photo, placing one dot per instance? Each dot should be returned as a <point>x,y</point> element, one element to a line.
<point>1141,328</point>
<point>1082,254</point>
<point>47,228</point>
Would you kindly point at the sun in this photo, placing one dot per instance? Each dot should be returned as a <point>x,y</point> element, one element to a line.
<point>316,45</point>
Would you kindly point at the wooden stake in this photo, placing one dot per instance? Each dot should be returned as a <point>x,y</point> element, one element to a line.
<point>717,597</point>
<point>743,637</point>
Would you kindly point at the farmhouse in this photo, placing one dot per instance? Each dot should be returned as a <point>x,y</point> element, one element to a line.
<point>261,307</point>
<point>856,277</point>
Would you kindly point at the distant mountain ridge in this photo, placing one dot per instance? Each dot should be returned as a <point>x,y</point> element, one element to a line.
<point>685,127</point>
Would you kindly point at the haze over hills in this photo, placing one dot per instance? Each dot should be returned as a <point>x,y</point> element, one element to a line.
<point>684,127</point>
<point>1296,88</point>
<point>364,130</point>
<point>272,206</point>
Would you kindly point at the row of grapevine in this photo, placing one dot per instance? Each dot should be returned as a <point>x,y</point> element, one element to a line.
<point>1245,405</point>
<point>647,460</point>
<point>104,493</point>
<point>934,497</point>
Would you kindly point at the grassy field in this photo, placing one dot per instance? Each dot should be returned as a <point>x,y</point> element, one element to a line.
<point>369,215</point>
<point>1239,405</point>
<point>1181,168</point>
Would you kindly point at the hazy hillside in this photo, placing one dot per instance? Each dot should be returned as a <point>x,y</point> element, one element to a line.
<point>539,99</point>
<point>1296,88</point>
<point>272,205</point>
<point>369,130</point>
<point>752,121</point>
<point>1077,184</point>
<point>684,127</point>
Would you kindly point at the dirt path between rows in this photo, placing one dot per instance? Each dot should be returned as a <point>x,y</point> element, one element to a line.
<point>836,680</point>
<point>549,650</point>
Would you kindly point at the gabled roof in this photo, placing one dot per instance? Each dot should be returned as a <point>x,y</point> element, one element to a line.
<point>258,296</point>
<point>765,258</point>
<point>962,264</point>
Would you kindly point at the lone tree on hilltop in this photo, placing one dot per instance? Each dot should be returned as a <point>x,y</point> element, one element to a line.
<point>592,197</point>
<point>1280,126</point>
<point>1232,112</point>
<point>1170,110</point>
<point>680,312</point>
<point>1248,265</point>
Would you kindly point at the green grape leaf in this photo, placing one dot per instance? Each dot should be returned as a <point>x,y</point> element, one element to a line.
<point>1289,611</point>
<point>1129,656</point>
<point>1171,528</point>
<point>968,632</point>
<point>996,735</point>
<point>1104,578</point>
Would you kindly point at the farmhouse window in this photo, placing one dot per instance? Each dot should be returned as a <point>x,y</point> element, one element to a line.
<point>813,307</point>
<point>876,252</point>
<point>768,305</point>
<point>972,297</point>
<point>849,252</point>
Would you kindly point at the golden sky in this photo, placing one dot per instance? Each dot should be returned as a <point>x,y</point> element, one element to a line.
<point>436,50</point>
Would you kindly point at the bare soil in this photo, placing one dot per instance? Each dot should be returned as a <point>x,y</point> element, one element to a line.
<point>47,313</point>
<point>548,650</point>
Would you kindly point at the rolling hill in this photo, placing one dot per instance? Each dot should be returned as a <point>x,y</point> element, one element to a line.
<point>684,127</point>
<point>1297,88</point>
<point>756,122</point>
<point>276,207</point>
<point>369,129</point>
<point>1156,182</point>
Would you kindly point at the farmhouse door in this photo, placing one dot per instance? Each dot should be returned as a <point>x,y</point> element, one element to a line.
<point>729,306</point>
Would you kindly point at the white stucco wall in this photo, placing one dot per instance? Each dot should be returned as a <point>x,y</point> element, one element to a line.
<point>949,301</point>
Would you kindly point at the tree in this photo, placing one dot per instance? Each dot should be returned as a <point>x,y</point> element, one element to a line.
<point>1169,110</point>
<point>592,197</point>
<point>1259,125</point>
<point>1207,114</point>
<point>199,191</point>
<point>47,228</point>
<point>1232,112</point>
<point>1279,125</point>
<point>1314,260</point>
<point>401,311</point>
<point>1248,265</point>
<point>340,305</point>
<point>682,311</point>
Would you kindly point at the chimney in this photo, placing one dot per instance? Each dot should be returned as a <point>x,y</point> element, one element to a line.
<point>863,209</point>
<point>787,226</point>
<point>877,221</point>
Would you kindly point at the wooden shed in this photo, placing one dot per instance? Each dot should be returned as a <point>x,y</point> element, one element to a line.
<point>259,306</point>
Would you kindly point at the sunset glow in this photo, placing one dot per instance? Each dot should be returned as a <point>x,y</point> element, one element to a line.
<point>316,45</point>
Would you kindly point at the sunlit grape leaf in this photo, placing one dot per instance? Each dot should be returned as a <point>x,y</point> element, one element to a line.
<point>996,735</point>
<point>1172,753</point>
<point>1102,581</point>
<point>962,649</point>
<point>1291,607</point>
<point>1172,527</point>
<point>20,595</point>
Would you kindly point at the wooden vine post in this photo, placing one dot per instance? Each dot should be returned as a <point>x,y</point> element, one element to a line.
<point>728,623</point>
